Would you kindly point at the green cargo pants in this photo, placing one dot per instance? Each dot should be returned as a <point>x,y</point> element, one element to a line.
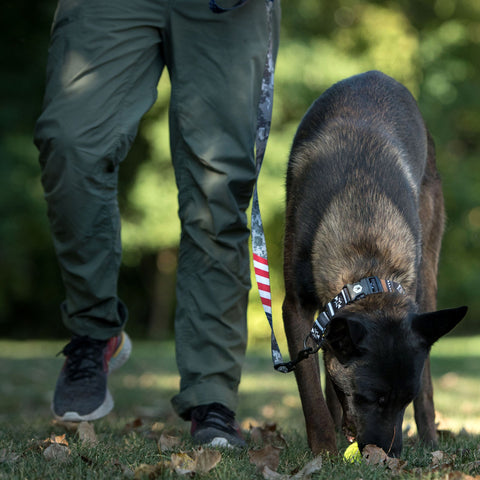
<point>105,60</point>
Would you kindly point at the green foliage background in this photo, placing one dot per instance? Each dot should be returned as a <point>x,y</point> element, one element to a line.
<point>432,46</point>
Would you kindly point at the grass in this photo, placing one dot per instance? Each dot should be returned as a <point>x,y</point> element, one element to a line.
<point>144,386</point>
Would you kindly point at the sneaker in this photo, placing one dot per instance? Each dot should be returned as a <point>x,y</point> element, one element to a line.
<point>81,392</point>
<point>215,425</point>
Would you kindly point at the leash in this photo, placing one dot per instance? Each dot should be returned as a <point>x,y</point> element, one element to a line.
<point>264,118</point>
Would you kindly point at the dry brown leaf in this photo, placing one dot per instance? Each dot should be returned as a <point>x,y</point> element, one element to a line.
<point>268,456</point>
<point>374,455</point>
<point>57,451</point>
<point>197,461</point>
<point>441,459</point>
<point>60,439</point>
<point>269,474</point>
<point>182,463</point>
<point>150,471</point>
<point>313,466</point>
<point>207,459</point>
<point>456,475</point>
<point>167,442</point>
<point>86,433</point>
<point>268,434</point>
<point>305,473</point>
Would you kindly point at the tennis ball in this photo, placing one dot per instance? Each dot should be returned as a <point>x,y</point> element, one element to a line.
<point>352,453</point>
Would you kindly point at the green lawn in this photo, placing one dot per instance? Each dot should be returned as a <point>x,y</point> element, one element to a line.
<point>143,387</point>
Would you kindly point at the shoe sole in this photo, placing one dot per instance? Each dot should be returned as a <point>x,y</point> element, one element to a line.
<point>214,438</point>
<point>104,409</point>
<point>121,355</point>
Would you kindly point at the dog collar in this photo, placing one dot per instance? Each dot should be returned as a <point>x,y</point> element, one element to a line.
<point>349,294</point>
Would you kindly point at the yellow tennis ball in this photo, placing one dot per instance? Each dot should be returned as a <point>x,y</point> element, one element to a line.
<point>352,453</point>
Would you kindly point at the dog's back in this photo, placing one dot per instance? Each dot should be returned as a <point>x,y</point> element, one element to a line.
<point>360,152</point>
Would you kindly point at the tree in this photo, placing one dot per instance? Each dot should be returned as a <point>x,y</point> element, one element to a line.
<point>431,47</point>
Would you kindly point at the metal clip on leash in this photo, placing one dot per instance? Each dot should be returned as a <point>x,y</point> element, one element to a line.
<point>288,367</point>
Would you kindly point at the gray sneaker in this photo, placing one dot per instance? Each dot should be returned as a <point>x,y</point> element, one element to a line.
<point>215,425</point>
<point>81,392</point>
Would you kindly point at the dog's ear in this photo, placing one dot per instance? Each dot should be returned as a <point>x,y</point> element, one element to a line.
<point>431,326</point>
<point>345,337</point>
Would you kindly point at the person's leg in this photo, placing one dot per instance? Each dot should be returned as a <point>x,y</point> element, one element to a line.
<point>216,73</point>
<point>103,68</point>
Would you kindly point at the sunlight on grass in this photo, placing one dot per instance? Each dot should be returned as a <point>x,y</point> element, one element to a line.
<point>26,349</point>
<point>150,378</point>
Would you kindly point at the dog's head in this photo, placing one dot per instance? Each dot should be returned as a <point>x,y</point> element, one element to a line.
<point>375,353</point>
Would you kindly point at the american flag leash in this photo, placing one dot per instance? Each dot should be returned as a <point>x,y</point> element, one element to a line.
<point>264,118</point>
<point>259,247</point>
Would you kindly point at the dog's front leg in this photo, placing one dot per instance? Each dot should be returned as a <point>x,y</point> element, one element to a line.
<point>319,423</point>
<point>424,409</point>
<point>432,217</point>
<point>334,406</point>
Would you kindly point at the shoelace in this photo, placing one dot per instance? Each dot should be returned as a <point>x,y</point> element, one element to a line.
<point>84,357</point>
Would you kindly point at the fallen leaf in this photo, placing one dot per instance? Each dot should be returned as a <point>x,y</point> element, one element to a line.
<point>268,434</point>
<point>196,461</point>
<point>456,475</point>
<point>268,456</point>
<point>153,432</point>
<point>305,473</point>
<point>167,442</point>
<point>86,433</point>
<point>57,451</point>
<point>207,459</point>
<point>269,474</point>
<point>442,459</point>
<point>313,466</point>
<point>374,455</point>
<point>182,463</point>
<point>60,439</point>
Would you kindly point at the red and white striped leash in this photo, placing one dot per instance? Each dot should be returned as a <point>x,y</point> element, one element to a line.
<point>259,247</point>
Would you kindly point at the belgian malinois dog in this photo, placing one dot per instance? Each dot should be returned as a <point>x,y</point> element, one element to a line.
<point>364,223</point>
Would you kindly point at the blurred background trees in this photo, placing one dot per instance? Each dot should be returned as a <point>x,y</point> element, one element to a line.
<point>432,46</point>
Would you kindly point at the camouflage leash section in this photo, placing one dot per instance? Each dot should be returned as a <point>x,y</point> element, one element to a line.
<point>259,246</point>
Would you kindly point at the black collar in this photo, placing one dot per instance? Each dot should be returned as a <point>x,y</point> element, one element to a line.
<point>349,294</point>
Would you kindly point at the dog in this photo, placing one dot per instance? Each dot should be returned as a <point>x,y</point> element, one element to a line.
<point>364,222</point>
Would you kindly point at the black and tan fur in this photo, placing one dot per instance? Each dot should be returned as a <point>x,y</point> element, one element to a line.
<point>364,199</point>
